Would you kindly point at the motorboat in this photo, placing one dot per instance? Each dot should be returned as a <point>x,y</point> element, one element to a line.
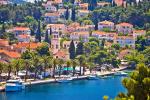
<point>64,80</point>
<point>13,85</point>
<point>92,77</point>
<point>120,73</point>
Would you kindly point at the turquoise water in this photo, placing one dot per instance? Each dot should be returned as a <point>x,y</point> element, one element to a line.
<point>76,90</point>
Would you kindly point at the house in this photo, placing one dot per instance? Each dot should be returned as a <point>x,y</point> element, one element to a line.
<point>137,33</point>
<point>84,36</point>
<point>103,4</point>
<point>4,43</point>
<point>66,44</point>
<point>83,13</point>
<point>106,24</point>
<point>50,8</point>
<point>51,17</point>
<point>72,27</point>
<point>23,38</point>
<point>83,6</point>
<point>21,30</point>
<point>61,54</point>
<point>22,46</point>
<point>125,28</point>
<point>109,36</point>
<point>125,41</point>
<point>6,55</point>
<point>62,12</point>
<point>123,53</point>
<point>57,27</point>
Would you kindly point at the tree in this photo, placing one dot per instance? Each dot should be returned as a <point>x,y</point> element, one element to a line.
<point>43,50</point>
<point>47,37</point>
<point>38,33</point>
<point>37,13</point>
<point>92,4</point>
<point>17,64</point>
<point>74,63</point>
<point>81,59</point>
<point>55,63</point>
<point>67,13</point>
<point>72,50</point>
<point>60,65</point>
<point>73,17</point>
<point>138,84</point>
<point>79,49</point>
<point>116,46</point>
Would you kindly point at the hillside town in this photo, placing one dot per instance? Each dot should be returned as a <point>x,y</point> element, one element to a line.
<point>47,41</point>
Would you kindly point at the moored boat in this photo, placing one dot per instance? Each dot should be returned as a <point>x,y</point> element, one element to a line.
<point>120,73</point>
<point>64,80</point>
<point>14,85</point>
<point>92,77</point>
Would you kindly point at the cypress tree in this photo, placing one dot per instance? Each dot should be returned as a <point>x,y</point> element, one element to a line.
<point>72,50</point>
<point>47,37</point>
<point>92,4</point>
<point>67,14</point>
<point>38,33</point>
<point>73,17</point>
<point>79,49</point>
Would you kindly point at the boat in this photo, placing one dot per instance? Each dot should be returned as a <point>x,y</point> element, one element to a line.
<point>92,77</point>
<point>14,85</point>
<point>120,73</point>
<point>64,80</point>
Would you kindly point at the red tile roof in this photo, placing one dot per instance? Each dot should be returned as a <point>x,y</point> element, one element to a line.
<point>11,54</point>
<point>30,45</point>
<point>125,24</point>
<point>21,28</point>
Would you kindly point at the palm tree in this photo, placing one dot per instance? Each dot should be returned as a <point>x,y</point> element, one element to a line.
<point>90,65</point>
<point>60,64</point>
<point>68,64</point>
<point>16,63</point>
<point>81,59</point>
<point>74,64</point>
<point>36,60</point>
<point>27,64</point>
<point>55,62</point>
<point>9,70</point>
<point>46,62</point>
<point>2,65</point>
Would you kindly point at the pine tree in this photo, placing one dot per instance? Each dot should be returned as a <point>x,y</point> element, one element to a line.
<point>67,14</point>
<point>72,50</point>
<point>50,31</point>
<point>2,32</point>
<point>73,17</point>
<point>38,33</point>
<point>79,49</point>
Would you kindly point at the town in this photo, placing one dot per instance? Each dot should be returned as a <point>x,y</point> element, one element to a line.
<point>61,40</point>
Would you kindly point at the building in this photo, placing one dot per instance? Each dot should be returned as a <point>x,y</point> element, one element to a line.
<point>106,24</point>
<point>83,6</point>
<point>6,55</point>
<point>84,36</point>
<point>21,31</point>
<point>66,44</point>
<point>137,33</point>
<point>23,46</point>
<point>125,28</point>
<point>55,42</point>
<point>103,4</point>
<point>125,41</point>
<point>104,35</point>
<point>83,13</point>
<point>51,17</point>
<point>23,38</point>
<point>57,27</point>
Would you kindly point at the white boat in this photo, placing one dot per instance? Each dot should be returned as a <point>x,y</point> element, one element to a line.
<point>120,73</point>
<point>64,80</point>
<point>14,85</point>
<point>92,77</point>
